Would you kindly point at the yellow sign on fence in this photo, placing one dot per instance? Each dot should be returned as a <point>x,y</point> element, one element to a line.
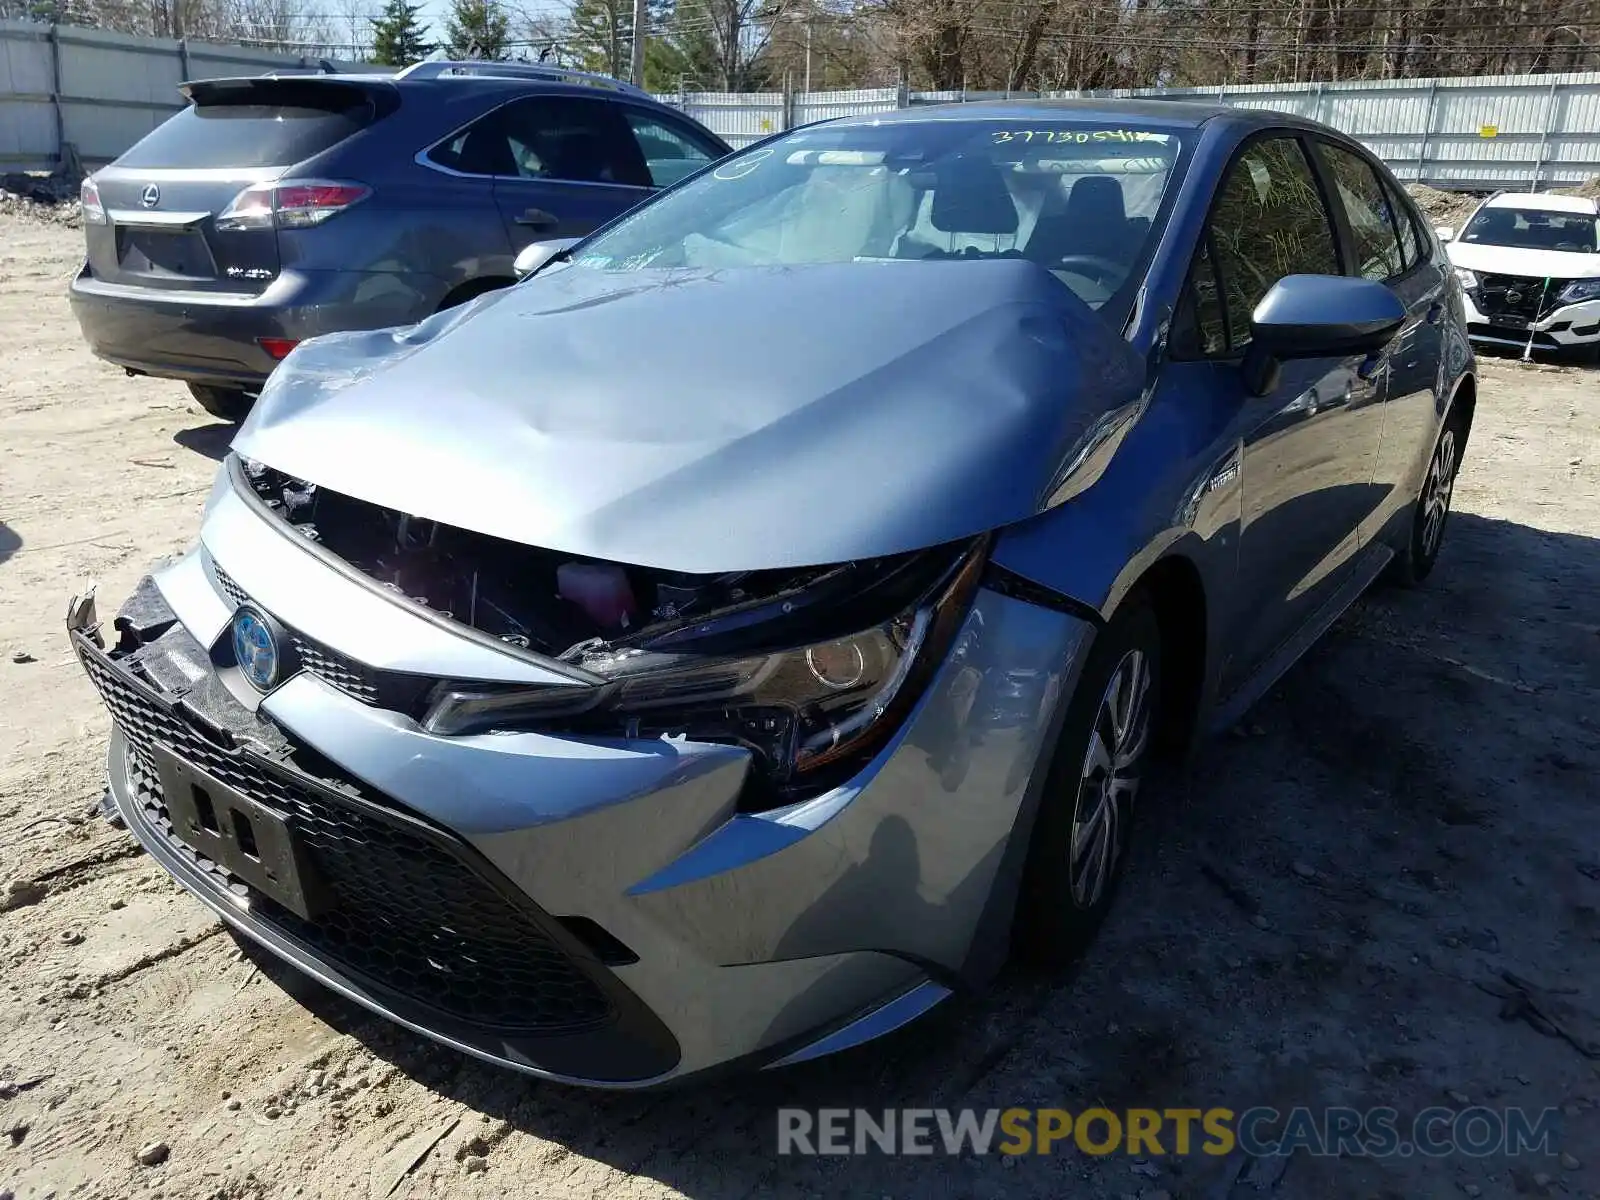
<point>1488,131</point>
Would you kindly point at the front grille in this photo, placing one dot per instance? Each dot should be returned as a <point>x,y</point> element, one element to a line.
<point>1516,296</point>
<point>387,689</point>
<point>346,674</point>
<point>229,586</point>
<point>406,911</point>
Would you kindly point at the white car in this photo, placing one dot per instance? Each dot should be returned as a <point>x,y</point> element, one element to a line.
<point>1530,264</point>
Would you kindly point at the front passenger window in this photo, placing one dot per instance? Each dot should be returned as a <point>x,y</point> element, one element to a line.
<point>1268,221</point>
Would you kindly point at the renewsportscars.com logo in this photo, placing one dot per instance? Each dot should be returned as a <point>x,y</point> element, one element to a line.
<point>1260,1131</point>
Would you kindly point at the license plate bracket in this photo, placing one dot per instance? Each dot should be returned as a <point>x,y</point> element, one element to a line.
<point>237,833</point>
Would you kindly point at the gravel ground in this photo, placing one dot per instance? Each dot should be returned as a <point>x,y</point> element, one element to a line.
<point>1410,814</point>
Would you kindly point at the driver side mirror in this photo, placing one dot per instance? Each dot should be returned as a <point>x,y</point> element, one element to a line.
<point>1317,316</point>
<point>538,255</point>
<point>1444,233</point>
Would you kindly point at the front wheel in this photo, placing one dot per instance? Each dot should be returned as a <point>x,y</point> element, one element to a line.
<point>1080,839</point>
<point>226,404</point>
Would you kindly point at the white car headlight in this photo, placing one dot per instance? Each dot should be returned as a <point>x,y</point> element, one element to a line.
<point>1469,279</point>
<point>1580,289</point>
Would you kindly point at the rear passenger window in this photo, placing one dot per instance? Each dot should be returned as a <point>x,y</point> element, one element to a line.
<point>669,155</point>
<point>1268,221</point>
<point>547,137</point>
<point>1366,205</point>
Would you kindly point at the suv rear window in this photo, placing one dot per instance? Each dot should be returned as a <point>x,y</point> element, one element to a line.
<point>247,135</point>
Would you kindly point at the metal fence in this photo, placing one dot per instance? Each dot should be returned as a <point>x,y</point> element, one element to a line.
<point>1498,131</point>
<point>101,92</point>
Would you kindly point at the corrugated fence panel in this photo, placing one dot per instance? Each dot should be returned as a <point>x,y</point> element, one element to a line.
<point>27,115</point>
<point>739,117</point>
<point>113,88</point>
<point>1495,131</point>
<point>819,106</point>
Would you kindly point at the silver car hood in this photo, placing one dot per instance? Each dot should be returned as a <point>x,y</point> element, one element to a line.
<point>710,421</point>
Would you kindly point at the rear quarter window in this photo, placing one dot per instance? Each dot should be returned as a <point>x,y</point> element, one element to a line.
<point>245,135</point>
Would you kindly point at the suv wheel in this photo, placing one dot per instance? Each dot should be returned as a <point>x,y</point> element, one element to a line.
<point>227,404</point>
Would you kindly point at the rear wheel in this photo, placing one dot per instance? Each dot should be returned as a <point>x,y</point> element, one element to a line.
<point>1432,510</point>
<point>227,404</point>
<point>1080,840</point>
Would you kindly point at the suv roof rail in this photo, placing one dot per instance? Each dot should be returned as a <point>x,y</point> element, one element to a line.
<point>504,70</point>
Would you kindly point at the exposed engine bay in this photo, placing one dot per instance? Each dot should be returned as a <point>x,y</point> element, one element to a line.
<point>576,610</point>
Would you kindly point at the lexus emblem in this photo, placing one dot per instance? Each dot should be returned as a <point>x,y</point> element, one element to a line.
<point>151,196</point>
<point>1513,297</point>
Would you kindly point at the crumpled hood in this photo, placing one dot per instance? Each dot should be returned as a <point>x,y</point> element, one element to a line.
<point>714,420</point>
<point>1536,264</point>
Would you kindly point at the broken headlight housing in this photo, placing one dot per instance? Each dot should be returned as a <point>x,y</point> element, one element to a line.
<point>1579,290</point>
<point>811,709</point>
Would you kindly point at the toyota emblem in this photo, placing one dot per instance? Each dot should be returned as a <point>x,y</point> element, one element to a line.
<point>151,196</point>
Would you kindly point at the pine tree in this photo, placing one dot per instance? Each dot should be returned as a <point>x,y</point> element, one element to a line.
<point>478,29</point>
<point>600,38</point>
<point>397,35</point>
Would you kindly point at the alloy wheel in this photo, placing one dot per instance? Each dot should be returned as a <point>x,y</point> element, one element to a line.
<point>1437,492</point>
<point>1110,778</point>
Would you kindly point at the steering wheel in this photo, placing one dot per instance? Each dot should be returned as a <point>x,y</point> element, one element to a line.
<point>1105,271</point>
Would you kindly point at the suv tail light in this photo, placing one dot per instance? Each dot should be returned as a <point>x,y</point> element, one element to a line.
<point>295,204</point>
<point>94,213</point>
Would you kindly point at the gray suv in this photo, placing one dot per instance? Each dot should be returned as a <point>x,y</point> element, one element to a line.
<point>277,208</point>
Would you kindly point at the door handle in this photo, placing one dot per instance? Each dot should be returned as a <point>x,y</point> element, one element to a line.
<point>537,218</point>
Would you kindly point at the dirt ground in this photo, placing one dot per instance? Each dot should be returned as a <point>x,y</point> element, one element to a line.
<point>1410,814</point>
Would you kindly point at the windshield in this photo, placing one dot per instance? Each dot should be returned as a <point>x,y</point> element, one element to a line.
<point>1533,229</point>
<point>1082,200</point>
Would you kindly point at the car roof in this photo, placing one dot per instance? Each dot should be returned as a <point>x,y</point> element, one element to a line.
<point>473,76</point>
<point>1171,114</point>
<point>1545,202</point>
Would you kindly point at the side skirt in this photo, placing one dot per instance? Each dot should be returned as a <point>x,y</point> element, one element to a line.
<point>1367,569</point>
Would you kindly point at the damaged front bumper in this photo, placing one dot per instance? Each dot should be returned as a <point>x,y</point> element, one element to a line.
<point>593,910</point>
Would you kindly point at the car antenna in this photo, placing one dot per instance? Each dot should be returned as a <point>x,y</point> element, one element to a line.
<point>1527,351</point>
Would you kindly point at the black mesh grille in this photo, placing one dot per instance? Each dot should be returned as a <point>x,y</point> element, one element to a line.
<point>1516,295</point>
<point>234,591</point>
<point>388,689</point>
<point>343,673</point>
<point>406,911</point>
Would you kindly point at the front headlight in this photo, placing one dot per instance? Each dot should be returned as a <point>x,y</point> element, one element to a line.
<point>1580,289</point>
<point>1469,279</point>
<point>810,713</point>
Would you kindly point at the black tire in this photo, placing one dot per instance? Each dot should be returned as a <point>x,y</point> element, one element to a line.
<point>226,404</point>
<point>1063,900</point>
<point>1431,512</point>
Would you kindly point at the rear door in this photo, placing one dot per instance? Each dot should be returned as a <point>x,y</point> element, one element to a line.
<point>1305,464</point>
<point>162,197</point>
<point>564,166</point>
<point>1387,248</point>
